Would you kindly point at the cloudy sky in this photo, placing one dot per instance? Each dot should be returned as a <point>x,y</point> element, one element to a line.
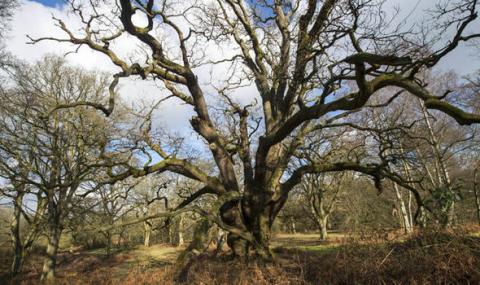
<point>35,18</point>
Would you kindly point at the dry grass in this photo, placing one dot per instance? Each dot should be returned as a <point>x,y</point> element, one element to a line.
<point>430,258</point>
<point>94,267</point>
<point>427,258</point>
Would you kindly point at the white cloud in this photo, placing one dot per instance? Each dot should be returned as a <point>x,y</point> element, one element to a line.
<point>36,20</point>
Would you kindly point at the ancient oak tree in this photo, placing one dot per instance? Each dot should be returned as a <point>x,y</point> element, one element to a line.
<point>311,63</point>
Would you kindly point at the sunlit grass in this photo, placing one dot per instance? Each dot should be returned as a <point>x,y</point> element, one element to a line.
<point>322,248</point>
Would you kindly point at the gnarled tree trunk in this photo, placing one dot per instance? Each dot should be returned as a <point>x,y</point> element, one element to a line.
<point>259,210</point>
<point>254,216</point>
<point>231,215</point>
<point>261,230</point>
<point>220,240</point>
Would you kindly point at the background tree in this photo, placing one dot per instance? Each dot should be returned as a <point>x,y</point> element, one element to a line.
<point>147,195</point>
<point>6,11</point>
<point>50,149</point>
<point>321,194</point>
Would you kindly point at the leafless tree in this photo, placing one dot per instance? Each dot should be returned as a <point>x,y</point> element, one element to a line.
<point>312,63</point>
<point>7,9</point>
<point>476,192</point>
<point>146,196</point>
<point>321,193</point>
<point>48,151</point>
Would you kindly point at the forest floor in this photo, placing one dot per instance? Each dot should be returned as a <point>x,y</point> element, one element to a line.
<point>429,258</point>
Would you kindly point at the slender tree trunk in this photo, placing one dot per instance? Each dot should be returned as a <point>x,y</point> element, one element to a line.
<point>450,219</point>
<point>18,249</point>
<point>49,265</point>
<point>448,206</point>
<point>168,234</point>
<point>108,237</point>
<point>406,168</point>
<point>17,263</point>
<point>477,195</point>
<point>403,210</point>
<point>422,218</point>
<point>147,226</point>
<point>180,238</point>
<point>409,209</point>
<point>293,227</point>
<point>21,246</point>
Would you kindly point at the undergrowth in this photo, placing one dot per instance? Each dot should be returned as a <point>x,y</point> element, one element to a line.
<point>426,258</point>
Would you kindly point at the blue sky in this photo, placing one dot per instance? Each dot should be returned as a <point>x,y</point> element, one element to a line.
<point>51,3</point>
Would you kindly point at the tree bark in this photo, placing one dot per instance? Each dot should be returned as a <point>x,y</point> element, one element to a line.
<point>21,246</point>
<point>147,226</point>
<point>293,226</point>
<point>422,217</point>
<point>320,215</point>
<point>200,242</point>
<point>169,234</point>
<point>232,216</point>
<point>477,195</point>
<point>221,237</point>
<point>54,231</point>
<point>407,226</point>
<point>443,176</point>
<point>259,213</point>
<point>17,263</point>
<point>180,239</point>
<point>257,220</point>
<point>18,250</point>
<point>262,233</point>
<point>237,245</point>
<point>49,265</point>
<point>322,224</point>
